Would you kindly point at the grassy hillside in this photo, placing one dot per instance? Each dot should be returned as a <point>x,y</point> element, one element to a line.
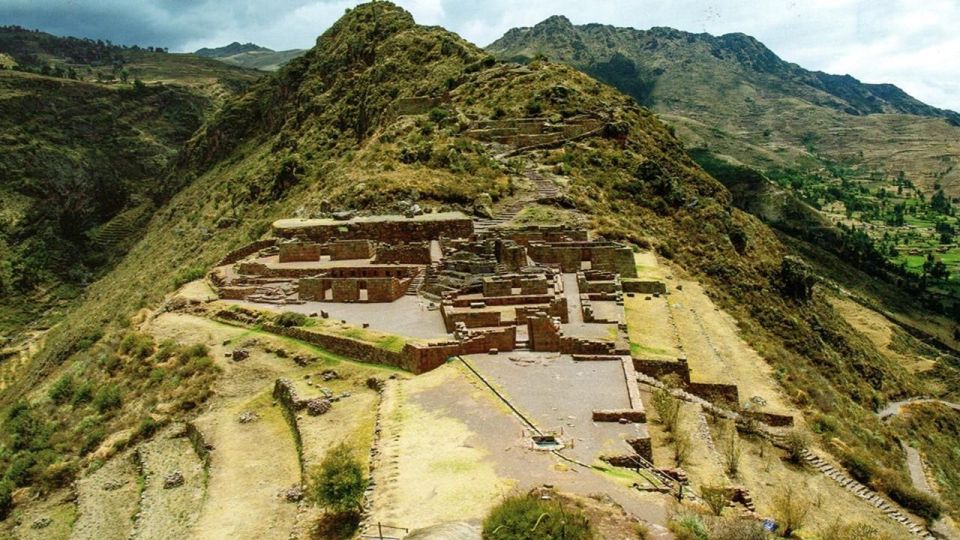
<point>878,165</point>
<point>249,55</point>
<point>323,132</point>
<point>88,127</point>
<point>78,174</point>
<point>98,61</point>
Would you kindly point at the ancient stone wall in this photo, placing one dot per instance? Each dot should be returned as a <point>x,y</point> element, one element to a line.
<point>313,289</point>
<point>616,415</point>
<point>345,290</point>
<point>392,229</point>
<point>235,293</point>
<point>544,332</point>
<point>644,286</point>
<point>413,253</point>
<point>575,345</point>
<point>386,290</point>
<point>472,319</point>
<point>246,251</point>
<point>299,251</point>
<point>341,250</point>
<point>494,286</point>
<point>259,269</point>
<point>534,285</point>
<point>385,271</point>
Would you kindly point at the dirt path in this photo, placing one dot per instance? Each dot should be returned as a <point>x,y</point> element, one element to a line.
<point>894,407</point>
<point>107,501</point>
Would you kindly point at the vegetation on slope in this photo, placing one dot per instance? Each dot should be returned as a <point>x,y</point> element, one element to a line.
<point>323,133</point>
<point>251,56</point>
<point>79,167</point>
<point>878,164</point>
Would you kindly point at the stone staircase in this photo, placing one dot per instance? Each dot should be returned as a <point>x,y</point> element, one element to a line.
<point>818,463</point>
<point>858,489</point>
<point>414,288</point>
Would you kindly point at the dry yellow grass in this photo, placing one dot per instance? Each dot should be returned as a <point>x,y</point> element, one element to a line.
<point>880,332</point>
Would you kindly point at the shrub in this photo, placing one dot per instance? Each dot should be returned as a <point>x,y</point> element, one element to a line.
<point>737,529</point>
<point>148,426</point>
<point>6,498</point>
<point>796,443</point>
<point>731,448</point>
<point>194,352</point>
<point>918,502</point>
<point>107,398</point>
<point>668,409</point>
<point>689,527</point>
<point>791,510</point>
<point>534,107</point>
<point>187,275</point>
<point>438,115</point>
<point>851,531</point>
<point>289,319</point>
<point>859,466</point>
<point>340,482</point>
<point>92,440</point>
<point>682,446</point>
<point>716,498</point>
<point>82,394</point>
<point>137,345</point>
<point>528,517</point>
<point>62,390</point>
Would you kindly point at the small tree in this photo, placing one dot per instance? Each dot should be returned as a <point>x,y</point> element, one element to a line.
<point>6,498</point>
<point>682,445</point>
<point>716,498</point>
<point>796,442</point>
<point>340,482</point>
<point>668,409</point>
<point>791,509</point>
<point>528,517</point>
<point>731,448</point>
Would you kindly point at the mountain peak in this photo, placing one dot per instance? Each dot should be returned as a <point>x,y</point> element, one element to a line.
<point>232,49</point>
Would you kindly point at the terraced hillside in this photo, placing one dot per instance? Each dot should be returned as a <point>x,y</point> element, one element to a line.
<point>382,116</point>
<point>88,129</point>
<point>863,169</point>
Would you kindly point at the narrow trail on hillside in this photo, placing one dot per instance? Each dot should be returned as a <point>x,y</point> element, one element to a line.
<point>894,407</point>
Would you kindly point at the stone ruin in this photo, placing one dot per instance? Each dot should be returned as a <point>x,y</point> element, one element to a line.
<point>550,289</point>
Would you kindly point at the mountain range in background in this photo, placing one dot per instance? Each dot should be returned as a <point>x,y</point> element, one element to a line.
<point>198,159</point>
<point>250,55</point>
<point>864,168</point>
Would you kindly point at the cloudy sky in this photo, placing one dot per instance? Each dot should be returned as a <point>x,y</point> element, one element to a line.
<point>911,44</point>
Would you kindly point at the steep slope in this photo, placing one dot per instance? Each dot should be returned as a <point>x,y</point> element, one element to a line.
<point>77,174</point>
<point>88,127</point>
<point>251,56</point>
<point>95,60</point>
<point>326,132</point>
<point>870,159</point>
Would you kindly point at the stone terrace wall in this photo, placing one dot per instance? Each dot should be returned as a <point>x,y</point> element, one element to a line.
<point>350,249</point>
<point>415,357</point>
<point>299,251</point>
<point>413,253</point>
<point>262,270</point>
<point>246,251</point>
<point>391,231</point>
<point>644,286</point>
